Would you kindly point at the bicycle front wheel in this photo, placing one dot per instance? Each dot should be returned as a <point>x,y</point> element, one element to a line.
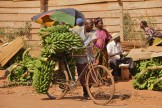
<point>59,85</point>
<point>100,85</point>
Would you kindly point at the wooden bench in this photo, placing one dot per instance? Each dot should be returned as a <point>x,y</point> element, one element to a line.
<point>124,71</point>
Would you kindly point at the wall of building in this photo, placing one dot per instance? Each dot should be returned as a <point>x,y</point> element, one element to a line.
<point>13,13</point>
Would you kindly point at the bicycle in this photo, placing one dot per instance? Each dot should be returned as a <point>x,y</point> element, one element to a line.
<point>99,81</point>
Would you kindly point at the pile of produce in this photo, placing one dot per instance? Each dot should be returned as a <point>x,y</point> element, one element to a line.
<point>55,42</point>
<point>21,71</point>
<point>150,76</point>
<point>58,40</point>
<point>42,75</point>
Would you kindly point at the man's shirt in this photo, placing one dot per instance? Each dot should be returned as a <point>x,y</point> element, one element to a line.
<point>87,38</point>
<point>113,48</point>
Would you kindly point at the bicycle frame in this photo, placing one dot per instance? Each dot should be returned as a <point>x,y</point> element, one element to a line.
<point>89,67</point>
<point>98,81</point>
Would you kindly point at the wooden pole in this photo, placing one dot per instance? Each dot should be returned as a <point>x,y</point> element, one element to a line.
<point>121,20</point>
<point>43,5</point>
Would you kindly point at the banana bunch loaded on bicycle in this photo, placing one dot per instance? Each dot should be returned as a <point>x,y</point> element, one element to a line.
<point>68,48</point>
<point>96,80</point>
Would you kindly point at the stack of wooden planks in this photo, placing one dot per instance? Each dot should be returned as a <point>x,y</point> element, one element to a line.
<point>8,50</point>
<point>128,45</point>
<point>139,54</point>
<point>145,53</point>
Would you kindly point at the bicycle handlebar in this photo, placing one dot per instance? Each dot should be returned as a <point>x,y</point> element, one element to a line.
<point>80,47</point>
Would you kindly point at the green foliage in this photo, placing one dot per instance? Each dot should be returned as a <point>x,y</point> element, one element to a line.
<point>129,29</point>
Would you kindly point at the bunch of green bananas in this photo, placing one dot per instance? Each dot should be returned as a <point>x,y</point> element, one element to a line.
<point>146,80</point>
<point>16,74</point>
<point>55,41</point>
<point>20,72</point>
<point>72,63</point>
<point>58,39</point>
<point>58,28</point>
<point>42,75</point>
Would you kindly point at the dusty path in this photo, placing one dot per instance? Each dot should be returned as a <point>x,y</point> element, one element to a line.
<point>126,97</point>
<point>70,102</point>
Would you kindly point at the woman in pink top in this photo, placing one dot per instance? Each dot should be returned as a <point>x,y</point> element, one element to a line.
<point>103,38</point>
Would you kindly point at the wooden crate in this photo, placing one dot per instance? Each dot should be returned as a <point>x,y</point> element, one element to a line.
<point>8,50</point>
<point>124,71</point>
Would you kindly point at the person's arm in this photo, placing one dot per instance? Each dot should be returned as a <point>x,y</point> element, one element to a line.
<point>108,38</point>
<point>118,53</point>
<point>94,38</point>
<point>149,33</point>
<point>153,33</point>
<point>158,34</point>
<point>108,34</point>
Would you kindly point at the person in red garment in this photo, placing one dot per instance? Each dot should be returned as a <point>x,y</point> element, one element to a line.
<point>103,37</point>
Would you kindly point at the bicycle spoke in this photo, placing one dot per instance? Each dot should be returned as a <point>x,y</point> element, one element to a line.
<point>100,85</point>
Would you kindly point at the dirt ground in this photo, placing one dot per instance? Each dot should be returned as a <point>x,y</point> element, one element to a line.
<point>125,97</point>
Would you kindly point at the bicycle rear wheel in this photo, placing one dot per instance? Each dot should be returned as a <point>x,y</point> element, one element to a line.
<point>100,85</point>
<point>59,85</point>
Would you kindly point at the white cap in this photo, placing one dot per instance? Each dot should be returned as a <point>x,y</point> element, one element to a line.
<point>115,35</point>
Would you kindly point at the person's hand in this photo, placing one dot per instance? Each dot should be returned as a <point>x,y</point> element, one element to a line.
<point>125,53</point>
<point>118,53</point>
<point>91,44</point>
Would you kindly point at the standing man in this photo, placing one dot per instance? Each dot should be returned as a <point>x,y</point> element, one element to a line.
<point>88,35</point>
<point>79,28</point>
<point>114,50</point>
